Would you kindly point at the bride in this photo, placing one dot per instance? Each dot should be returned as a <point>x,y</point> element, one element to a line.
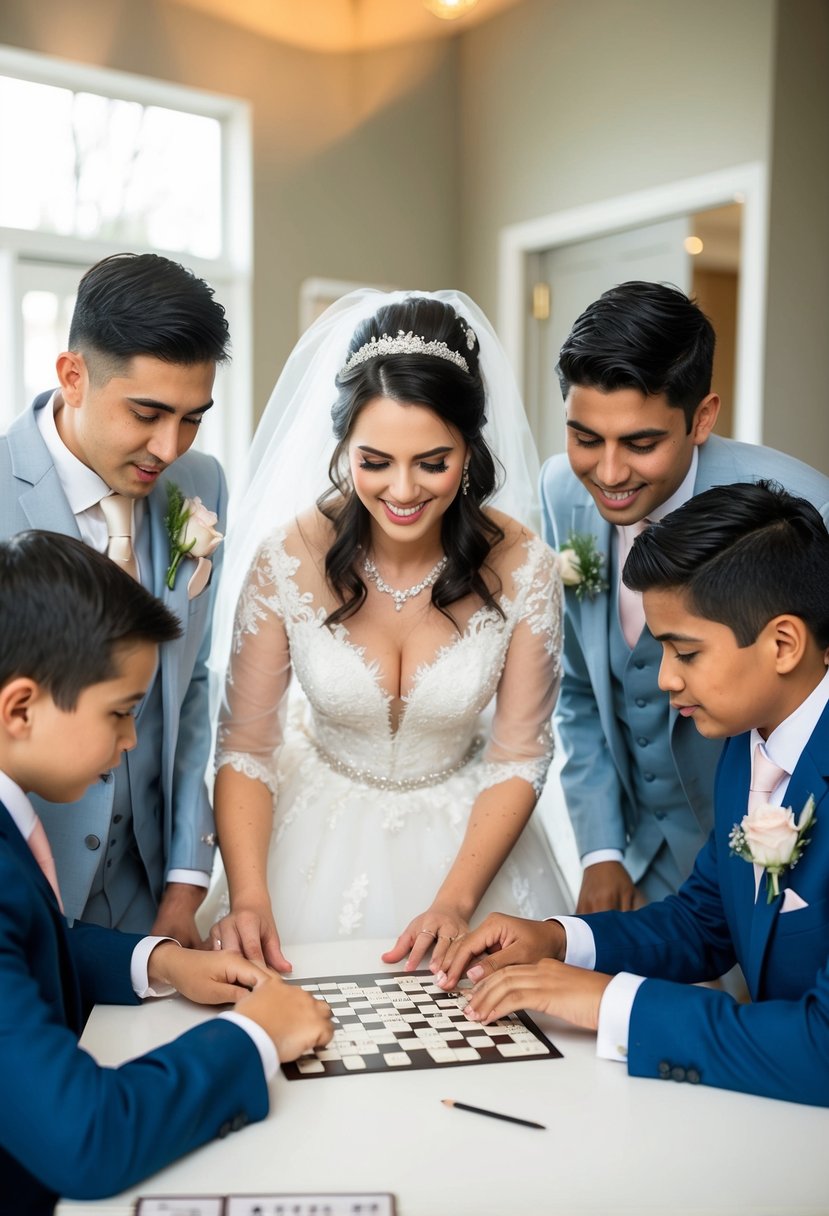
<point>395,649</point>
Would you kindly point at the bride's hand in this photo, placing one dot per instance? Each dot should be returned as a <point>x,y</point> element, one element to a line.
<point>435,929</point>
<point>250,930</point>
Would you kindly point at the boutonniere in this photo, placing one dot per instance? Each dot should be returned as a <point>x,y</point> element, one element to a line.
<point>769,837</point>
<point>580,565</point>
<point>192,532</point>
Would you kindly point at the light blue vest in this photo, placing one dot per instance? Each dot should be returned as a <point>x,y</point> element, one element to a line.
<point>660,813</point>
<point>120,895</point>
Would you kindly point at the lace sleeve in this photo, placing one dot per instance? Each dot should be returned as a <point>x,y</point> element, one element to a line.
<point>521,743</point>
<point>252,716</point>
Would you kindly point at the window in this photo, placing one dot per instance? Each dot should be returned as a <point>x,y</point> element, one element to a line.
<point>122,163</point>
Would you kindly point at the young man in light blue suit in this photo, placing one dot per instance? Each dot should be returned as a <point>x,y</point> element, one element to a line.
<point>67,1125</point>
<point>635,373</point>
<point>736,591</point>
<point>134,385</point>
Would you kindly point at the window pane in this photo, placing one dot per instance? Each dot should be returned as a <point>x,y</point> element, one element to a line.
<point>109,169</point>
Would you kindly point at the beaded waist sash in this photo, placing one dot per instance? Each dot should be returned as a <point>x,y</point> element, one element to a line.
<point>364,777</point>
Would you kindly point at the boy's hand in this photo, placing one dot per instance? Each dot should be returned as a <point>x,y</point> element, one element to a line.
<point>177,911</point>
<point>607,886</point>
<point>292,1017</point>
<point>498,942</point>
<point>214,978</point>
<point>550,986</point>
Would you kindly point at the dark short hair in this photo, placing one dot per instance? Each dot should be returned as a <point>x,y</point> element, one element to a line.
<point>64,611</point>
<point>143,304</point>
<point>742,555</point>
<point>647,336</point>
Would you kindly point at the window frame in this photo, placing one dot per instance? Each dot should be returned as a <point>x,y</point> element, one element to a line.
<point>230,274</point>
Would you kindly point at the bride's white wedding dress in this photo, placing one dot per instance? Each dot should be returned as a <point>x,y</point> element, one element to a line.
<point>373,789</point>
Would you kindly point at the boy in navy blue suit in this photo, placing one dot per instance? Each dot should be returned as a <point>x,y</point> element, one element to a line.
<point>736,589</point>
<point>79,643</point>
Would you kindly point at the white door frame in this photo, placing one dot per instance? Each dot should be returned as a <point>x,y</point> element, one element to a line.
<point>746,184</point>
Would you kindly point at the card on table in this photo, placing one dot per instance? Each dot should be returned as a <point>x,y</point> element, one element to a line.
<point>368,1204</point>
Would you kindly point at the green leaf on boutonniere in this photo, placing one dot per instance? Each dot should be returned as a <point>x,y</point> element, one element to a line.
<point>581,565</point>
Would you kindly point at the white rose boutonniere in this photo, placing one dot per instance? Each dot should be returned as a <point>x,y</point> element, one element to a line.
<point>769,837</point>
<point>191,528</point>
<point>580,565</point>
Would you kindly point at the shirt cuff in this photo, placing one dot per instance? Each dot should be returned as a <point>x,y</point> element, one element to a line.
<point>194,878</point>
<point>580,950</point>
<point>262,1041</point>
<point>139,978</point>
<point>596,855</point>
<point>614,1016</point>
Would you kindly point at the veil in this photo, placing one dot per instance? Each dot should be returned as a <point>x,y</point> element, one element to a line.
<point>289,456</point>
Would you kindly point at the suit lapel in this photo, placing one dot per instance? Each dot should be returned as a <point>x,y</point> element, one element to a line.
<point>594,609</point>
<point>43,503</point>
<point>811,776</point>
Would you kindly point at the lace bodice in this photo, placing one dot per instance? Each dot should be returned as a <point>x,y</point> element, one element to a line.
<point>283,653</point>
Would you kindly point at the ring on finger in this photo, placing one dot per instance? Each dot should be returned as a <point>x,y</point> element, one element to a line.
<point>428,932</point>
<point>218,943</point>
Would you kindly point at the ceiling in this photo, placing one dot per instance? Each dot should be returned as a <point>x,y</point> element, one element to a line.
<point>343,25</point>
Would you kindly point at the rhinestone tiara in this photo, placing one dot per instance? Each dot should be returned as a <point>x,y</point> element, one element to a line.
<point>403,344</point>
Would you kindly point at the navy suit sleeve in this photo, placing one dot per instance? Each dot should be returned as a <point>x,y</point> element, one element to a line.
<point>102,961</point>
<point>777,1049</point>
<point>82,1130</point>
<point>684,937</point>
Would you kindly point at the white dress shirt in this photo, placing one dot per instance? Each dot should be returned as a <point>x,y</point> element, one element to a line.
<point>23,814</point>
<point>624,538</point>
<point>84,490</point>
<point>783,747</point>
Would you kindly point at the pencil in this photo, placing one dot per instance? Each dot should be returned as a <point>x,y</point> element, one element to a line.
<point>493,1114</point>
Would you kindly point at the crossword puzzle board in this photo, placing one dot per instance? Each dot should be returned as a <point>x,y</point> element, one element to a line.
<point>394,1023</point>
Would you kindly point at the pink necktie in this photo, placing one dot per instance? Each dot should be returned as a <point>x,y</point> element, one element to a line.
<point>631,612</point>
<point>117,511</point>
<point>39,844</point>
<point>765,775</point>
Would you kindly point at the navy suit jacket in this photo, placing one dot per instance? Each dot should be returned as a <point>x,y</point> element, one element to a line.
<point>778,1045</point>
<point>31,496</point>
<point>68,1126</point>
<point>596,777</point>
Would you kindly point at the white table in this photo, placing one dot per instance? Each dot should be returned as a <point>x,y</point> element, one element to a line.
<point>614,1143</point>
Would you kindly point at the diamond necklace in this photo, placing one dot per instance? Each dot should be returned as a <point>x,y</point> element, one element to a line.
<point>400,597</point>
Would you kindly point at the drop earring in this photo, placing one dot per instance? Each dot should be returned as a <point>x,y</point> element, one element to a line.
<point>465,480</point>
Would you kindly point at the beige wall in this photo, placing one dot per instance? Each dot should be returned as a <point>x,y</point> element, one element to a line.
<point>403,166</point>
<point>574,101</point>
<point>797,351</point>
<point>354,156</point>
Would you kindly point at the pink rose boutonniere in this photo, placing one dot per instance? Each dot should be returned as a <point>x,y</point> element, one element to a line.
<point>192,531</point>
<point>769,837</point>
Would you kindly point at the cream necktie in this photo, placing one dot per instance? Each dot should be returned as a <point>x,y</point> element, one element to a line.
<point>631,612</point>
<point>117,511</point>
<point>38,842</point>
<point>765,775</point>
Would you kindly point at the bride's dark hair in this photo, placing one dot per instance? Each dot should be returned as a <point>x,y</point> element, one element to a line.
<point>468,534</point>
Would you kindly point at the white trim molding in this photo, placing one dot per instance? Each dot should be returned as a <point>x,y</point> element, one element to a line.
<point>746,184</point>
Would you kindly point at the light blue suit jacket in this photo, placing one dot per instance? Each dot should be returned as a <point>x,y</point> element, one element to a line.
<point>596,778</point>
<point>67,1125</point>
<point>778,1045</point>
<point>31,496</point>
